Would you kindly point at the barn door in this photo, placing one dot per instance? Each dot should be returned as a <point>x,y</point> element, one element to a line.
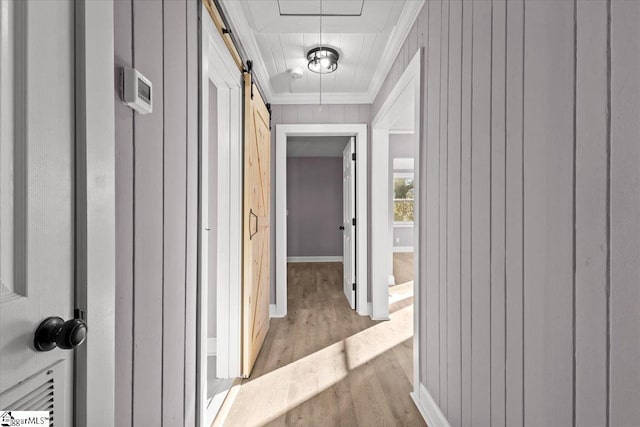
<point>256,228</point>
<point>37,122</point>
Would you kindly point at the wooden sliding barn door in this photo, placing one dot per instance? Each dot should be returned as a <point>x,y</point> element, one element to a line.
<point>256,225</point>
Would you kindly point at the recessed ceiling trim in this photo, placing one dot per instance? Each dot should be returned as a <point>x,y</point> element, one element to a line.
<point>400,32</point>
<point>321,14</point>
<point>245,33</point>
<point>327,98</point>
<point>242,29</point>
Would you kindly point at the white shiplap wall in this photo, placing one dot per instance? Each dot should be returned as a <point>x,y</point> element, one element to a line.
<point>532,178</point>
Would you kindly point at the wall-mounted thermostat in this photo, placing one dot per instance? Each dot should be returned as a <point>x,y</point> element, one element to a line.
<point>137,91</point>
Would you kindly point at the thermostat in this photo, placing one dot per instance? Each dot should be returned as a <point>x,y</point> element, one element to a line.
<point>137,91</point>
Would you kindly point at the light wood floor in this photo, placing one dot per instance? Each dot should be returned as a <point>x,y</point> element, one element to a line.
<point>403,267</point>
<point>324,365</point>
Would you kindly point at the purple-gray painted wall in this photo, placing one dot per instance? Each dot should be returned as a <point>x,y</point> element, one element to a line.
<point>156,215</point>
<point>530,181</point>
<point>314,205</point>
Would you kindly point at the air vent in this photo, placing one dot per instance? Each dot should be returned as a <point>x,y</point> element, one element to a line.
<point>36,393</point>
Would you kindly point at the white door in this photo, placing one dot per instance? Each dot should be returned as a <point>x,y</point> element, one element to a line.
<point>348,218</point>
<point>37,120</point>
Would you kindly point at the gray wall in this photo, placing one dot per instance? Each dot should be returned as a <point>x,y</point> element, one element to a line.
<point>305,114</point>
<point>531,176</point>
<point>156,215</point>
<point>314,205</point>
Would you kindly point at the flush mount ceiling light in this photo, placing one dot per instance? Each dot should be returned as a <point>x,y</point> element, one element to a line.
<point>323,60</point>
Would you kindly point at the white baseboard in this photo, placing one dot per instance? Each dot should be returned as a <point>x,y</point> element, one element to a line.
<point>403,249</point>
<point>392,280</point>
<point>428,408</point>
<point>273,311</point>
<point>212,347</point>
<point>314,259</point>
<point>369,308</point>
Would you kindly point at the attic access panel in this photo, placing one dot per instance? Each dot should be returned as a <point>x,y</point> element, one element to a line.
<point>312,7</point>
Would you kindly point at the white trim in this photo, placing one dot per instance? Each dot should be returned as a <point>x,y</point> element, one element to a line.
<point>399,249</point>
<point>95,210</point>
<point>215,403</point>
<point>369,309</point>
<point>398,36</point>
<point>241,27</point>
<point>408,224</point>
<point>381,245</point>
<point>428,408</point>
<point>315,259</point>
<point>381,242</point>
<point>392,280</point>
<point>212,346</point>
<point>219,68</point>
<point>273,312</point>
<point>327,98</point>
<point>282,132</point>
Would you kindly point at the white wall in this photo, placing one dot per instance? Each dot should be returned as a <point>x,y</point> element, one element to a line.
<point>531,137</point>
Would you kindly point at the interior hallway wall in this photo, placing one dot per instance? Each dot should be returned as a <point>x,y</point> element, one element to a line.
<point>531,239</point>
<point>311,114</point>
<point>156,215</point>
<point>314,206</point>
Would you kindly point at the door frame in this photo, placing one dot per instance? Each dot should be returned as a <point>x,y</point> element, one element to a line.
<point>219,68</point>
<point>359,130</point>
<point>95,211</point>
<point>382,243</point>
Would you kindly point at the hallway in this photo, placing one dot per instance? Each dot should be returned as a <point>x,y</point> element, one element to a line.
<point>324,365</point>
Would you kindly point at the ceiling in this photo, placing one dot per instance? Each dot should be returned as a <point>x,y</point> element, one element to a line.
<point>276,34</point>
<point>316,146</point>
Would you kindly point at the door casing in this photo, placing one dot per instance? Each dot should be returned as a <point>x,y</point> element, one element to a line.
<point>359,130</point>
<point>381,249</point>
<point>219,68</point>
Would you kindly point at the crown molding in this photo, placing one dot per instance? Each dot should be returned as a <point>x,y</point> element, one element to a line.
<point>398,36</point>
<point>242,29</point>
<point>327,98</point>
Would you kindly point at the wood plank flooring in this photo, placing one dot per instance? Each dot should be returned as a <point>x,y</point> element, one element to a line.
<point>403,267</point>
<point>324,365</point>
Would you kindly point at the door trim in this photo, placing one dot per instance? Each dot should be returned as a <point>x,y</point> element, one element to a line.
<point>219,68</point>
<point>95,211</point>
<point>382,245</point>
<point>358,130</point>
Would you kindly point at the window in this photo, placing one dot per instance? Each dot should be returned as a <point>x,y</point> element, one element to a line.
<point>403,195</point>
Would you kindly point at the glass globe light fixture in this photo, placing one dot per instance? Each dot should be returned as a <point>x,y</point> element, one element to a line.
<point>323,60</point>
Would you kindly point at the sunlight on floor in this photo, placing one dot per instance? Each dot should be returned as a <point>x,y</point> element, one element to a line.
<point>325,368</point>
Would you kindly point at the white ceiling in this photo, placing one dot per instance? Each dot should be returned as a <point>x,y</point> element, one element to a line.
<point>367,44</point>
<point>316,146</point>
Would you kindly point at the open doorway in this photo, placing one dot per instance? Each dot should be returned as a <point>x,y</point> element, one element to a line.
<point>344,141</point>
<point>321,207</point>
<point>401,218</point>
<point>395,205</point>
<point>220,225</point>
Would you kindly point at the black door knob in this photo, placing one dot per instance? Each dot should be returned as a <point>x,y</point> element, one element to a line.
<point>54,332</point>
<point>341,227</point>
